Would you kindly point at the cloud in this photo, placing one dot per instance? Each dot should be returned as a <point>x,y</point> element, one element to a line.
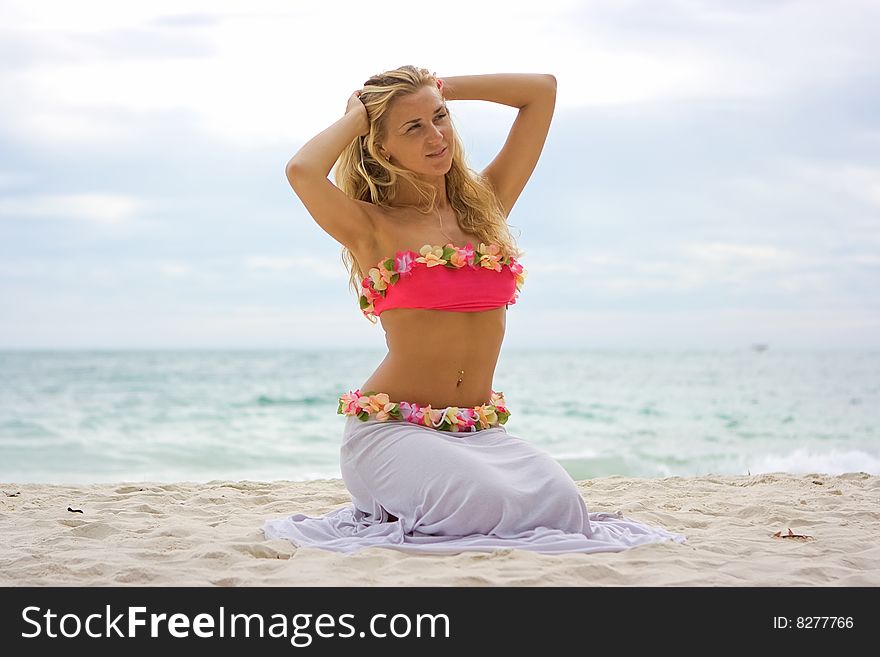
<point>722,253</point>
<point>242,75</point>
<point>705,156</point>
<point>13,179</point>
<point>852,181</point>
<point>185,21</point>
<point>100,209</point>
<point>835,180</point>
<point>174,269</point>
<point>310,266</point>
<point>724,49</point>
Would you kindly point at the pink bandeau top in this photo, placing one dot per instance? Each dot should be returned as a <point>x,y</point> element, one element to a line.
<point>448,277</point>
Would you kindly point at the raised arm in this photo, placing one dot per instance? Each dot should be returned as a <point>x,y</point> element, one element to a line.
<point>346,220</point>
<point>535,96</point>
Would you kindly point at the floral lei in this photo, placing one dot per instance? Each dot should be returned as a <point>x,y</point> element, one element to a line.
<point>378,406</point>
<point>388,270</point>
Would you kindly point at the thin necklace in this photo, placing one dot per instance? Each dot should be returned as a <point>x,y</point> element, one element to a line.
<point>441,225</point>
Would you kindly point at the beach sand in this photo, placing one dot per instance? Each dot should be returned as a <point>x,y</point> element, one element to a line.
<point>208,534</point>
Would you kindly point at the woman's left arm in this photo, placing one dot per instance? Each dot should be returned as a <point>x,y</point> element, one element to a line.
<point>535,96</point>
<point>513,89</point>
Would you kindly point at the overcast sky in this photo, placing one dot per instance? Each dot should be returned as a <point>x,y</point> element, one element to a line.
<point>711,178</point>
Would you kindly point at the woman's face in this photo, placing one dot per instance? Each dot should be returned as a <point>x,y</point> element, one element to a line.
<point>418,125</point>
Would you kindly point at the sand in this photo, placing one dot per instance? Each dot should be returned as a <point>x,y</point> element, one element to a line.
<point>208,534</point>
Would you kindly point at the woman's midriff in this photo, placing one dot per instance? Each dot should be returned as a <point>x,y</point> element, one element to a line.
<point>427,351</point>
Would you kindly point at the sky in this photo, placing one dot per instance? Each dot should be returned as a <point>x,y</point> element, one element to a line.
<point>711,178</point>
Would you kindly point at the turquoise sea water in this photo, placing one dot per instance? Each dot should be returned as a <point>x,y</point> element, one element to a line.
<point>108,416</point>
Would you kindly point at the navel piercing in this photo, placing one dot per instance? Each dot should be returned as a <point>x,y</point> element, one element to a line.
<point>459,378</point>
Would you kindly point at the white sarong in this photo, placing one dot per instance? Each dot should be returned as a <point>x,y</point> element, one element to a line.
<point>453,492</point>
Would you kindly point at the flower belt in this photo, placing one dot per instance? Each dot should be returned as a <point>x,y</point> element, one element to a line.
<point>378,406</point>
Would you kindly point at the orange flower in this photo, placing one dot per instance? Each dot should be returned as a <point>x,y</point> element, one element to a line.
<point>432,416</point>
<point>491,256</point>
<point>486,415</point>
<point>380,281</point>
<point>431,255</point>
<point>380,404</point>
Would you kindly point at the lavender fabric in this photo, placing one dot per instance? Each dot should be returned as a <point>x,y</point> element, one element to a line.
<point>454,492</point>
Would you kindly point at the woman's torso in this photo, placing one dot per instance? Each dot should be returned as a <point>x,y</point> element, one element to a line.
<point>427,349</point>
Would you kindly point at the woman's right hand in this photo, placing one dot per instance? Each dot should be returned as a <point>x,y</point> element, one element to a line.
<point>356,106</point>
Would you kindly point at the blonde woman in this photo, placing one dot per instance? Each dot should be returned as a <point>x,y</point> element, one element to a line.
<point>425,454</point>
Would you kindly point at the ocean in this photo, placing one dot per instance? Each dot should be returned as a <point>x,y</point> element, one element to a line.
<point>171,416</point>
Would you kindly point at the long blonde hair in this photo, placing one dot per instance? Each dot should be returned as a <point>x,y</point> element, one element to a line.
<point>363,173</point>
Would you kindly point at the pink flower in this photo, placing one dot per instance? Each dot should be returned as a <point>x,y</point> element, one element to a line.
<point>404,262</point>
<point>515,267</point>
<point>497,400</point>
<point>411,412</point>
<point>463,256</point>
<point>349,402</point>
<point>468,419</point>
<point>369,292</point>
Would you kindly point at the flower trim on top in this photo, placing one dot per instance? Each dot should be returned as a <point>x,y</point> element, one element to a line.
<point>378,406</point>
<point>388,270</point>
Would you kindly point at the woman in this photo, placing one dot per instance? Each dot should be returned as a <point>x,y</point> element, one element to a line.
<point>425,455</point>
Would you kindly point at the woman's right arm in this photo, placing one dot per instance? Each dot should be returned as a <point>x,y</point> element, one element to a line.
<point>346,220</point>
<point>321,152</point>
